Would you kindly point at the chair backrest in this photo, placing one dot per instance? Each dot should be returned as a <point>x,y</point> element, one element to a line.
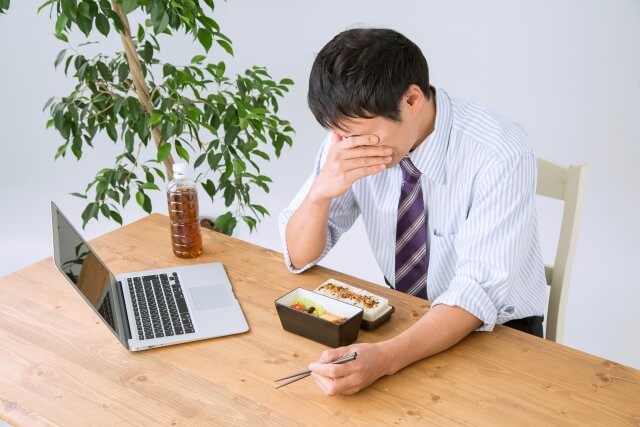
<point>562,183</point>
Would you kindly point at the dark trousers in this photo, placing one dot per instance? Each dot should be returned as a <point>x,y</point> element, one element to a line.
<point>531,325</point>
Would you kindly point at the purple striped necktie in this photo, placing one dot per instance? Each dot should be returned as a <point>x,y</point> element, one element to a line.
<point>412,254</point>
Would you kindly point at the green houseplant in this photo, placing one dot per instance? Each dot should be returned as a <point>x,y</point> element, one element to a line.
<point>221,125</point>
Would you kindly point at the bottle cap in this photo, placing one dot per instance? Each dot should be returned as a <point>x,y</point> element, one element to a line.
<point>179,170</point>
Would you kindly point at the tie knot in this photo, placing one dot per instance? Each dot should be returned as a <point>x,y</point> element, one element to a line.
<point>408,169</point>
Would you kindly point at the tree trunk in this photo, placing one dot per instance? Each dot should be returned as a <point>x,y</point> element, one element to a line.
<point>139,82</point>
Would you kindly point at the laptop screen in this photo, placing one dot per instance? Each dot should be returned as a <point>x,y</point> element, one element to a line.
<point>77,261</point>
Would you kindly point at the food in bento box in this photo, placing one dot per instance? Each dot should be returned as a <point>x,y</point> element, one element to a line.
<point>373,305</point>
<point>314,309</point>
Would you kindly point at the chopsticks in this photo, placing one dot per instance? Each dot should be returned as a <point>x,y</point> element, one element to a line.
<point>304,374</point>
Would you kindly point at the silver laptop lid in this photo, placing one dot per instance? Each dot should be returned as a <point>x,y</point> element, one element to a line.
<point>88,274</point>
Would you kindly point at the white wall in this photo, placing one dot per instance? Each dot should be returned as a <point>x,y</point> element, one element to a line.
<point>568,71</point>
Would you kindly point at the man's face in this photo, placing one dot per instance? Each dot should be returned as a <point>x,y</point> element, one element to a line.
<point>398,136</point>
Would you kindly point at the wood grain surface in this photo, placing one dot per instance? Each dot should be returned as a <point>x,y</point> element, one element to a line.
<point>59,364</point>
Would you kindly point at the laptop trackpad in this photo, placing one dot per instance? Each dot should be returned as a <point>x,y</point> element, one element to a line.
<point>209,297</point>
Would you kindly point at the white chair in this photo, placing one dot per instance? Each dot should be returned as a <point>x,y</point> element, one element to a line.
<point>565,184</point>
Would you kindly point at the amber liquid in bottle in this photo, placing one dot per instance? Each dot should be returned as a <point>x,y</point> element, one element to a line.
<point>184,219</point>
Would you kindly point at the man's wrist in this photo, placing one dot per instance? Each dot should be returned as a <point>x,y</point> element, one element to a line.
<point>391,351</point>
<point>315,198</point>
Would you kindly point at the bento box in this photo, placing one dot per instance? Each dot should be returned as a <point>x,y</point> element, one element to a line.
<point>319,317</point>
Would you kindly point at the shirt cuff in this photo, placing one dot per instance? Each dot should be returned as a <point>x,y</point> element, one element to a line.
<point>469,295</point>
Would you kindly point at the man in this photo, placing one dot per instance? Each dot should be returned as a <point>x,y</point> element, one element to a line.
<point>446,191</point>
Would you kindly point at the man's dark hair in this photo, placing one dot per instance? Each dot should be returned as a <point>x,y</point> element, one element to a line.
<point>363,73</point>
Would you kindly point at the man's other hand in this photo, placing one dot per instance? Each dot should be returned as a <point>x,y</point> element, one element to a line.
<point>349,159</point>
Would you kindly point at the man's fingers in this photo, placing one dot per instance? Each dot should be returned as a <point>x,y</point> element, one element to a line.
<point>330,370</point>
<point>364,151</point>
<point>325,384</point>
<point>337,386</point>
<point>346,386</point>
<point>331,354</point>
<point>363,162</point>
<point>359,173</point>
<point>358,140</point>
<point>334,179</point>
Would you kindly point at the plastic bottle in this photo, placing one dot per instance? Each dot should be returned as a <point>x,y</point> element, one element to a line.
<point>182,196</point>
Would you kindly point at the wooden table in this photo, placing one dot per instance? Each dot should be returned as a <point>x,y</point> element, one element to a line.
<point>60,365</point>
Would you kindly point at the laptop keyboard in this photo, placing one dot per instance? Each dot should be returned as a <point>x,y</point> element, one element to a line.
<point>159,306</point>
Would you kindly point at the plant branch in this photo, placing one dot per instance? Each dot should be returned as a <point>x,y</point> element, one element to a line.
<point>142,90</point>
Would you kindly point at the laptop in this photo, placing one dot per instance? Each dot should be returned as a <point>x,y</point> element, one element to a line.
<point>153,308</point>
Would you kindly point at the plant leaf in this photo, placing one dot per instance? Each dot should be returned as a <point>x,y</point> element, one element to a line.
<point>150,186</point>
<point>102,24</point>
<point>128,141</point>
<point>62,37</point>
<point>140,34</point>
<point>229,195</point>
<point>261,209</point>
<point>214,160</point>
<point>140,198</point>
<point>210,188</point>
<point>49,101</point>
<point>205,39</point>
<point>163,152</point>
<point>201,158</point>
<point>155,118</point>
<point>250,221</point>
<point>161,25</point>
<point>61,23</point>
<point>198,59</point>
<point>123,71</point>
<point>91,211</point>
<point>261,154</point>
<point>147,204</point>
<point>226,223</point>
<point>147,52</point>
<point>116,217</point>
<point>105,210</point>
<point>59,58</point>
<point>181,151</point>
<point>129,6</point>
<point>159,173</point>
<point>225,45</point>
<point>42,6</point>
<point>231,135</point>
<point>111,131</point>
<point>104,71</point>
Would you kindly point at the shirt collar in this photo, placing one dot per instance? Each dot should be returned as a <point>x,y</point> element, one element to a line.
<point>430,156</point>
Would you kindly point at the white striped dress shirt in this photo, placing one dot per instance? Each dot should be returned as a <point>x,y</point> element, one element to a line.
<point>478,180</point>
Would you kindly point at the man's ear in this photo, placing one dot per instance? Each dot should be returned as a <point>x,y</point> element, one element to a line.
<point>414,97</point>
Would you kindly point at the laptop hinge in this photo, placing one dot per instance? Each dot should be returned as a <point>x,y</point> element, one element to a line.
<point>125,317</point>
